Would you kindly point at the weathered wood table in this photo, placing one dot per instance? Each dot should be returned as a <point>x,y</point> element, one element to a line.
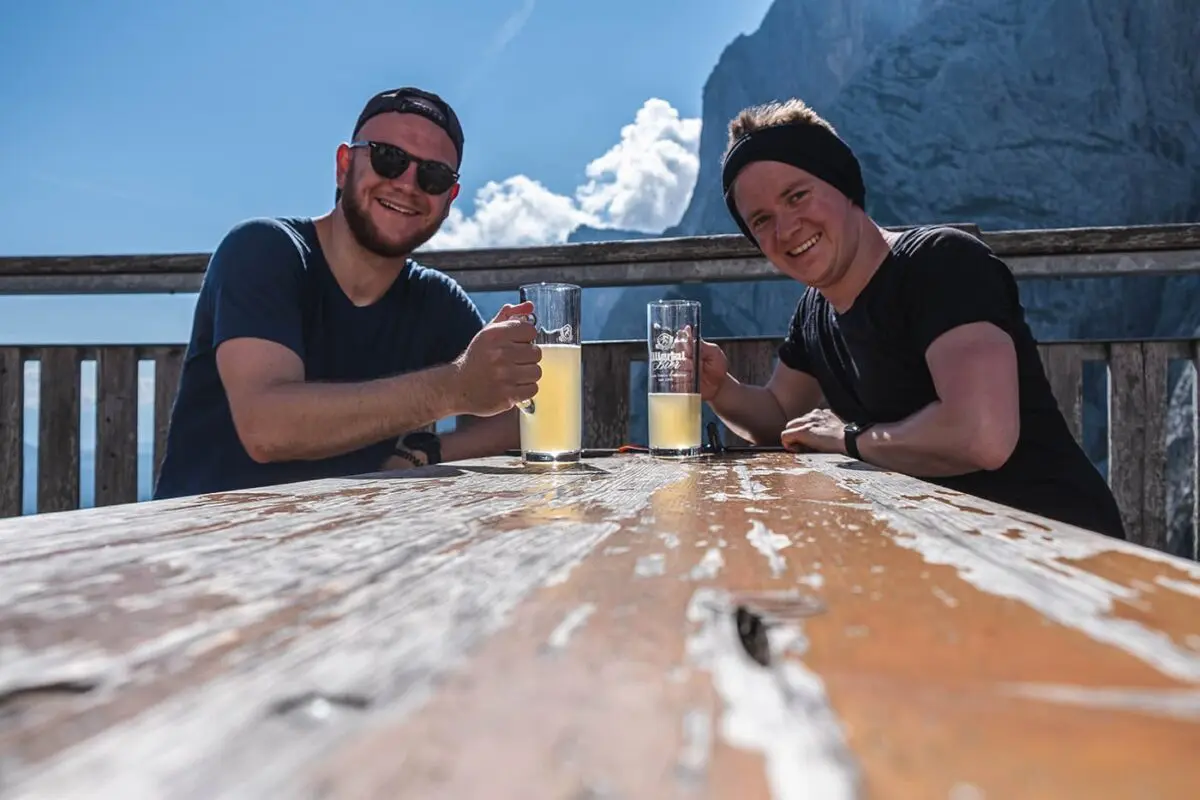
<point>736,627</point>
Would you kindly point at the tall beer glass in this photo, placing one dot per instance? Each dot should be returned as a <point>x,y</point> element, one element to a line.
<point>552,422</point>
<point>673,340</point>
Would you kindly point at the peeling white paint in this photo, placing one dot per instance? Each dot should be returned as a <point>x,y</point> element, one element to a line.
<point>769,543</point>
<point>815,580</point>
<point>1183,587</point>
<point>650,566</point>
<point>966,791</point>
<point>750,489</point>
<point>944,596</point>
<point>572,622</point>
<point>1033,569</point>
<point>615,550</point>
<point>697,744</point>
<point>780,711</point>
<point>669,540</point>
<point>709,566</point>
<point>1176,703</point>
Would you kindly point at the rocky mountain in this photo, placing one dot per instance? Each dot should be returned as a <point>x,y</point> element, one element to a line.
<point>1005,113</point>
<point>586,233</point>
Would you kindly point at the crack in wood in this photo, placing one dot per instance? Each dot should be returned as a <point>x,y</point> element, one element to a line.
<point>35,691</point>
<point>317,705</point>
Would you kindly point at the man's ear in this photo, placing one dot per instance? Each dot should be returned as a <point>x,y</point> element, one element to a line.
<point>454,192</point>
<point>341,164</point>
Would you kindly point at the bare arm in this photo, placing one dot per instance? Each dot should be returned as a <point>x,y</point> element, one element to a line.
<point>478,437</point>
<point>280,417</point>
<point>756,413</point>
<point>760,413</point>
<point>975,423</point>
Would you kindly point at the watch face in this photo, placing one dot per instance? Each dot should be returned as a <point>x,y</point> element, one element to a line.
<point>420,439</point>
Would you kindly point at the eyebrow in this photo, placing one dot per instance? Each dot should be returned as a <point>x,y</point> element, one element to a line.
<point>799,183</point>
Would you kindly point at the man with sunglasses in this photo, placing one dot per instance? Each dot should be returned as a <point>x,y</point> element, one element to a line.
<point>319,348</point>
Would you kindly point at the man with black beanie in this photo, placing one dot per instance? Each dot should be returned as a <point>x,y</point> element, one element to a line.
<point>917,340</point>
<point>319,348</point>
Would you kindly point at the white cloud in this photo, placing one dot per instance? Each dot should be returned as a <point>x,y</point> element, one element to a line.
<point>517,212</point>
<point>643,183</point>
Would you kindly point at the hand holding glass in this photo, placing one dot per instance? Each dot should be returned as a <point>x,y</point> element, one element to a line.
<point>552,422</point>
<point>673,341</point>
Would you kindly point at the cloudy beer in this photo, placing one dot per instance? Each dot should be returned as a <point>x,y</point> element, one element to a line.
<point>554,429</point>
<point>674,422</point>
<point>673,399</point>
<point>552,423</point>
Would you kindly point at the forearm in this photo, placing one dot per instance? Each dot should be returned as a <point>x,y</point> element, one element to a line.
<point>934,442</point>
<point>307,421</point>
<point>752,412</point>
<point>479,437</point>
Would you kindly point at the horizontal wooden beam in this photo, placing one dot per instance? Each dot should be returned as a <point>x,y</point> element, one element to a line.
<point>1077,252</point>
<point>592,275</point>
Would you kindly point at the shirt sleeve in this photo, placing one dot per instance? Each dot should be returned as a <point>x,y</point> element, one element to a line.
<point>792,352</point>
<point>953,279</point>
<point>458,320</point>
<point>255,280</point>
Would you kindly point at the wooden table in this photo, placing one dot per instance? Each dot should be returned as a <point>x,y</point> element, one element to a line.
<point>737,627</point>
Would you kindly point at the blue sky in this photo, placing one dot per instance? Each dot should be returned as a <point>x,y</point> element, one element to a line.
<point>134,126</point>
<point>150,126</point>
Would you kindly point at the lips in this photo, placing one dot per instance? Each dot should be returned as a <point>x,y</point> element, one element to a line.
<point>397,207</point>
<point>804,246</point>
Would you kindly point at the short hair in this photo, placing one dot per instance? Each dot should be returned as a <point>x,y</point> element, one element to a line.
<point>768,115</point>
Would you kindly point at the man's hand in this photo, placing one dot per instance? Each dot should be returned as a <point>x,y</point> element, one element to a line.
<point>714,370</point>
<point>499,368</point>
<point>820,430</point>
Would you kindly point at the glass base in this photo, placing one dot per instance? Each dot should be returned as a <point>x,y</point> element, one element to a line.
<point>676,452</point>
<point>568,457</point>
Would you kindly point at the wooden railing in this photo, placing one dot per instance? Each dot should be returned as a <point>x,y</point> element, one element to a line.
<point>1137,371</point>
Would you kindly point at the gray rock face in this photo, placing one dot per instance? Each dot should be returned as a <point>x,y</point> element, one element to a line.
<point>1006,113</point>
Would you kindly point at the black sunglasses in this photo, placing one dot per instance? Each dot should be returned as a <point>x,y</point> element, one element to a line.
<point>390,161</point>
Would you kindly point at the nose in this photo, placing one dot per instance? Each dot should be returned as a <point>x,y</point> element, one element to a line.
<point>407,179</point>
<point>786,224</point>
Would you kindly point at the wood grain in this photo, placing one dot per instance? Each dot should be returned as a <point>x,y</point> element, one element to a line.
<point>12,438</point>
<point>116,426</point>
<point>606,397</point>
<point>767,626</point>
<point>58,429</point>
<point>1195,348</point>
<point>1063,364</point>
<point>1139,250</point>
<point>168,365</point>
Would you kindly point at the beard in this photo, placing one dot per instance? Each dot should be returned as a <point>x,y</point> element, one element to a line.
<point>370,237</point>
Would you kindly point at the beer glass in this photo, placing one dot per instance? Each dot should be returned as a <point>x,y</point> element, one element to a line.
<point>552,421</point>
<point>673,340</point>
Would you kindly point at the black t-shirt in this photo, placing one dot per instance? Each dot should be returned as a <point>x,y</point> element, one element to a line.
<point>269,279</point>
<point>870,362</point>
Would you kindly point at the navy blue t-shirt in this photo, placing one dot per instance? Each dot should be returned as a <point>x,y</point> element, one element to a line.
<point>269,279</point>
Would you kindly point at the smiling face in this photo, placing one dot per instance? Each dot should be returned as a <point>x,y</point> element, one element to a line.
<point>806,228</point>
<point>391,218</point>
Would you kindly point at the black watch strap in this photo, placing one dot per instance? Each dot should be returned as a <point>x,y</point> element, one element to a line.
<point>407,456</point>
<point>852,432</point>
<point>427,442</point>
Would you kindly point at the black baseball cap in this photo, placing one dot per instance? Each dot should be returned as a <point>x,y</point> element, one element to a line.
<point>409,100</point>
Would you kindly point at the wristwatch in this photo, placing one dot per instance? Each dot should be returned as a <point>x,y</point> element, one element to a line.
<point>425,442</point>
<point>851,434</point>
